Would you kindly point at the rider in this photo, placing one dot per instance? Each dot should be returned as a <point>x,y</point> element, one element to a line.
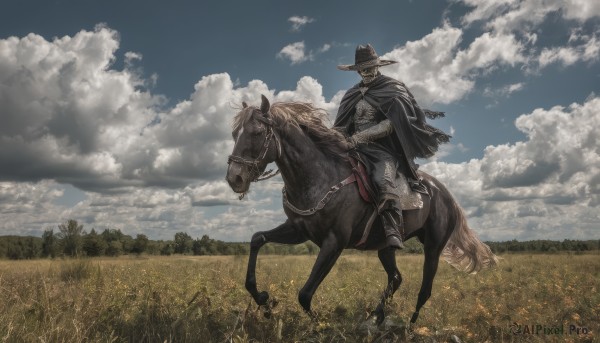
<point>388,130</point>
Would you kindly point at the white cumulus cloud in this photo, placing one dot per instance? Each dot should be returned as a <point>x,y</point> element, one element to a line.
<point>299,22</point>
<point>524,190</point>
<point>295,52</point>
<point>437,70</point>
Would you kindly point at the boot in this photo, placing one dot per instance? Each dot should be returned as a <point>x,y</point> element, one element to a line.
<point>393,239</point>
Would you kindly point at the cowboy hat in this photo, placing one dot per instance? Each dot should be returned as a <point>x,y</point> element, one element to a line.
<point>365,57</point>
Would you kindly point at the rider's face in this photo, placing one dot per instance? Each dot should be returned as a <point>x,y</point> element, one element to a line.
<point>368,74</point>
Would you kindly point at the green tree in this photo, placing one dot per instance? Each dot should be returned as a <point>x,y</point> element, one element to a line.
<point>93,244</point>
<point>127,242</point>
<point>140,244</point>
<point>115,248</point>
<point>110,235</point>
<point>183,243</point>
<point>49,244</point>
<point>167,249</point>
<point>70,236</point>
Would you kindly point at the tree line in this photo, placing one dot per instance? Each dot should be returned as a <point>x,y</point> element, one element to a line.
<point>71,240</point>
<point>544,246</point>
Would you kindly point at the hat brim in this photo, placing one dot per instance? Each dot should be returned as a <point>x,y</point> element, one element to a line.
<point>365,65</point>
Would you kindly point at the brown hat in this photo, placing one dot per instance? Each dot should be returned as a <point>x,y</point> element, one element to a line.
<point>365,57</point>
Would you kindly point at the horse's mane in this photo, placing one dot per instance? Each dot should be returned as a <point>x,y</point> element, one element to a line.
<point>311,120</point>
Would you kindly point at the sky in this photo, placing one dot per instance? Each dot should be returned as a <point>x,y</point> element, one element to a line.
<point>118,113</point>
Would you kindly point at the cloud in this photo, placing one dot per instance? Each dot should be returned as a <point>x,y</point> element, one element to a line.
<point>504,91</point>
<point>588,51</point>
<point>516,15</point>
<point>524,190</point>
<point>69,116</point>
<point>437,70</point>
<point>66,115</point>
<point>324,48</point>
<point>294,52</point>
<point>299,22</point>
<point>212,208</point>
<point>523,18</point>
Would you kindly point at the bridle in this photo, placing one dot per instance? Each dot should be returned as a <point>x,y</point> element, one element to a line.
<point>253,164</point>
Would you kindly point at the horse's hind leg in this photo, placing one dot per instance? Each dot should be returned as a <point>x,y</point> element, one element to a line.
<point>284,233</point>
<point>387,256</point>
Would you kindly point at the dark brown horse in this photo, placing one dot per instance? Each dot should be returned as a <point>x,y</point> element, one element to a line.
<point>312,158</point>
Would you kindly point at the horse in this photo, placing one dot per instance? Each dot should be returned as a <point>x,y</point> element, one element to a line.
<point>311,158</point>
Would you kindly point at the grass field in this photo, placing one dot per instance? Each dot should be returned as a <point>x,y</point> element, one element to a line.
<point>202,299</point>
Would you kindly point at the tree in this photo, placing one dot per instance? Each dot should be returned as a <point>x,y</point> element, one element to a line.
<point>183,243</point>
<point>70,237</point>
<point>167,249</point>
<point>110,235</point>
<point>127,242</point>
<point>49,244</point>
<point>140,244</point>
<point>93,244</point>
<point>115,248</point>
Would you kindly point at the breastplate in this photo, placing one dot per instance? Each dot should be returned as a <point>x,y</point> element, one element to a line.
<point>364,116</point>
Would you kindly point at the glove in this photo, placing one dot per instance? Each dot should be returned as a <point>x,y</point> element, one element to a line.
<point>384,128</point>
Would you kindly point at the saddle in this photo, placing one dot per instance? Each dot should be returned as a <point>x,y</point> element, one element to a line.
<point>367,193</point>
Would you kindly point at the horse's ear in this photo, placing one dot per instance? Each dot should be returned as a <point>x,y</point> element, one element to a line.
<point>244,104</point>
<point>265,105</point>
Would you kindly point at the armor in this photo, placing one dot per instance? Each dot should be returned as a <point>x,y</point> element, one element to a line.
<point>388,131</point>
<point>385,173</point>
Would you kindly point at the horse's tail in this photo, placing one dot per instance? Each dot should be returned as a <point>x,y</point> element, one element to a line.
<point>464,251</point>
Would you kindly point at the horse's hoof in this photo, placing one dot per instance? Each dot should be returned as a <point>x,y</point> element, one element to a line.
<point>262,298</point>
<point>268,313</point>
<point>313,316</point>
<point>379,318</point>
<point>369,326</point>
<point>273,303</point>
<point>414,317</point>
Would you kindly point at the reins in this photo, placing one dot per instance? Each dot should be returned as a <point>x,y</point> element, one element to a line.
<point>350,179</point>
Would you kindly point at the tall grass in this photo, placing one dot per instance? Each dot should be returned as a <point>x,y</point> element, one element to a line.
<point>202,299</point>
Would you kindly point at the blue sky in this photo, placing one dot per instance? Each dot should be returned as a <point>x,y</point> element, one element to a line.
<point>112,110</point>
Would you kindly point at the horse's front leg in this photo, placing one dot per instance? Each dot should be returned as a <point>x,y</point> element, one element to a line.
<point>328,255</point>
<point>387,256</point>
<point>285,234</point>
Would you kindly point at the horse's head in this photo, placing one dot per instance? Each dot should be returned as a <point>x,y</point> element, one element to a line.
<point>256,145</point>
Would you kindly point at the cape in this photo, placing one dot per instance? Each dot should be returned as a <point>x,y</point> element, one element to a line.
<point>413,136</point>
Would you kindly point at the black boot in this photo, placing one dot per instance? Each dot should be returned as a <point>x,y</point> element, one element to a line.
<point>391,227</point>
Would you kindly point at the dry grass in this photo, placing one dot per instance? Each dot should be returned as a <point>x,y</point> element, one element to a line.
<point>202,299</point>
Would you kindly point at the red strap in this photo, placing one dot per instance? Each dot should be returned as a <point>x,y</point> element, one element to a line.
<point>361,177</point>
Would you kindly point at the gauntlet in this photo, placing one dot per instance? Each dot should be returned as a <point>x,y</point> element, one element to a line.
<point>382,129</point>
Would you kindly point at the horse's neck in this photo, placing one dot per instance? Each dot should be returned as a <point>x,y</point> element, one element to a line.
<point>307,172</point>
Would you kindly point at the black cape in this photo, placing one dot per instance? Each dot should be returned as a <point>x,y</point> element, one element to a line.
<point>413,136</point>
